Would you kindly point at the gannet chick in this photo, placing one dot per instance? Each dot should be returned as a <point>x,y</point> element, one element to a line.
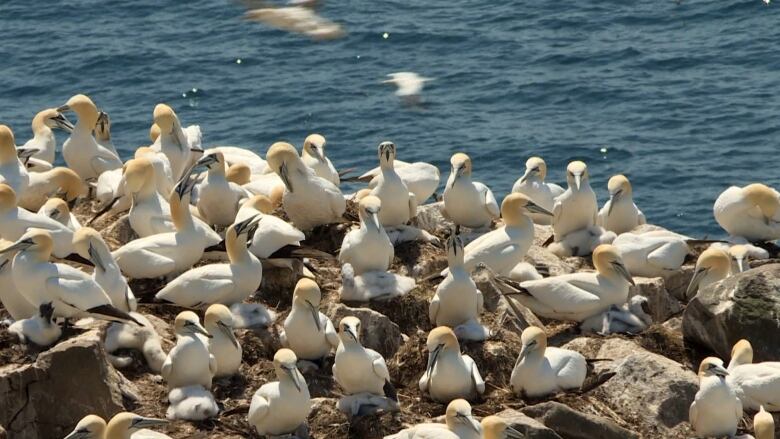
<point>652,254</point>
<point>578,296</point>
<point>308,200</point>
<point>166,253</point>
<point>502,249</point>
<point>308,332</point>
<point>12,170</point>
<point>398,204</point>
<point>14,222</point>
<point>127,425</point>
<point>494,427</point>
<point>541,370</point>
<point>409,85</point>
<point>751,212</point>
<point>620,214</point>
<point>459,424</point>
<point>43,143</point>
<point>103,132</point>
<point>282,406</point>
<point>449,375</point>
<point>468,203</point>
<point>457,300</point>
<point>220,283</point>
<point>716,410</point>
<point>72,292</point>
<point>223,344</point>
<point>57,209</point>
<point>218,199</point>
<point>361,372</point>
<point>367,248</point>
<point>372,285</point>
<point>191,403</point>
<point>81,152</point>
<point>712,266</point>
<point>764,425</point>
<point>89,427</point>
<point>532,185</point>
<point>90,245</point>
<point>273,233</point>
<point>59,182</point>
<point>40,329</point>
<point>630,318</point>
<point>172,141</point>
<point>189,362</point>
<point>12,299</point>
<point>313,156</point>
<point>142,338</point>
<point>756,384</point>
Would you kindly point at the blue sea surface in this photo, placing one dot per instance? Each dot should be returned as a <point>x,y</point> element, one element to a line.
<point>683,98</point>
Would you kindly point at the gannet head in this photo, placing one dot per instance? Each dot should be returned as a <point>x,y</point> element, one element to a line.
<point>7,145</point>
<point>282,157</point>
<point>307,295</point>
<point>494,427</point>
<point>188,323</point>
<point>741,255</point>
<point>741,353</point>
<point>124,424</point>
<point>459,413</point>
<point>144,151</point>
<point>239,173</point>
<point>619,187</point>
<point>89,427</point>
<point>51,118</point>
<point>712,260</point>
<point>534,342</point>
<point>576,174</point>
<point>440,339</point>
<point>84,108</point>
<point>56,209</point>
<point>349,330</point>
<point>103,127</point>
<point>214,162</point>
<point>154,132</point>
<point>137,172</point>
<point>71,186</point>
<point>517,206</point>
<point>36,240</point>
<point>314,146</point>
<point>286,366</point>
<point>370,206</point>
<point>164,118</point>
<point>712,366</point>
<point>86,242</point>
<point>219,318</point>
<point>607,260</point>
<point>260,203</point>
<point>764,424</point>
<point>461,164</point>
<point>386,151</point>
<point>764,197</point>
<point>455,253</point>
<point>7,197</point>
<point>535,167</point>
<point>240,232</point>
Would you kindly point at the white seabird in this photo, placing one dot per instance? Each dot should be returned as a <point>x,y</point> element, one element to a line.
<point>142,338</point>
<point>751,212</point>
<point>89,244</point>
<point>620,214</point>
<point>173,141</point>
<point>652,254</point>
<point>308,332</point>
<point>541,370</point>
<point>313,156</point>
<point>40,329</point>
<point>103,132</point>
<point>57,209</point>
<point>764,425</point>
<point>12,170</point>
<point>398,204</point>
<point>494,427</point>
<point>757,385</point>
<point>189,362</point>
<point>449,374</point>
<point>409,85</point>
<point>532,185</point>
<point>81,152</point>
<point>273,233</point>
<point>281,407</point>
<point>712,266</point>
<point>421,178</point>
<point>59,181</point>
<point>459,423</point>
<point>12,299</point>
<point>716,410</point>
<point>468,203</point>
<point>43,143</point>
<point>367,248</point>
<point>223,344</point>
<point>218,199</point>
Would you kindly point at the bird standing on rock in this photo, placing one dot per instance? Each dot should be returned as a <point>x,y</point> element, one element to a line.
<point>542,370</point>
<point>313,156</point>
<point>398,204</point>
<point>449,374</point>
<point>281,407</point>
<point>367,248</point>
<point>308,332</point>
<point>620,214</point>
<point>223,344</point>
<point>468,203</point>
<point>532,185</point>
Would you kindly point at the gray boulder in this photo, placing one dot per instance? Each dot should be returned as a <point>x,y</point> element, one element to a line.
<point>571,424</point>
<point>378,333</point>
<point>660,303</point>
<point>529,427</point>
<point>746,305</point>
<point>677,282</point>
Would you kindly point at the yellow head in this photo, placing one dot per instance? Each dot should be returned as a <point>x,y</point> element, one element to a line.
<point>218,313</point>
<point>83,106</point>
<point>741,353</point>
<point>164,118</point>
<point>286,366</point>
<point>618,186</point>
<point>314,146</point>
<point>534,341</point>
<point>277,195</point>
<point>89,427</point>
<point>239,173</point>
<point>38,241</point>
<point>535,167</point>
<point>370,206</point>
<point>444,337</point>
<point>7,197</point>
<point>764,197</point>
<point>154,132</point>
<point>137,173</point>
<point>608,262</point>
<point>70,184</point>
<point>103,127</point>
<point>125,424</point>
<point>307,291</point>
<point>494,427</point>
<point>283,159</point>
<point>461,164</point>
<point>88,243</point>
<point>7,145</point>
<point>48,119</point>
<point>387,153</point>
<point>576,173</point>
<point>188,323</point>
<point>741,255</point>
<point>349,329</point>
<point>459,414</point>
<point>260,203</point>
<point>516,207</point>
<point>712,366</point>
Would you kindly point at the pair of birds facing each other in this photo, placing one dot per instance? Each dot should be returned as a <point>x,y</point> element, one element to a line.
<point>123,425</point>
<point>459,423</point>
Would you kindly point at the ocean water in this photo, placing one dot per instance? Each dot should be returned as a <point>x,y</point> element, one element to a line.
<point>683,98</point>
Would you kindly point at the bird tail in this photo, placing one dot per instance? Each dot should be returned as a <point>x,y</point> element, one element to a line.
<point>390,391</point>
<point>109,312</point>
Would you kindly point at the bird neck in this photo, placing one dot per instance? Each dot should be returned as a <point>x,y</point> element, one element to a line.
<point>236,249</point>
<point>180,213</point>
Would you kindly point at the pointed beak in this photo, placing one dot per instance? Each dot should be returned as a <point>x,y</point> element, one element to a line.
<point>292,372</point>
<point>228,331</point>
<point>206,161</point>
<point>315,314</point>
<point>527,174</point>
<point>720,371</point>
<point>198,329</point>
<point>523,353</point>
<point>62,122</point>
<point>95,257</point>
<point>535,208</point>
<point>26,153</point>
<point>320,153</point>
<point>698,275</point>
<point>612,199</point>
<point>142,422</point>
<point>577,181</point>
<point>63,108</point>
<point>351,333</point>
<point>511,433</point>
<point>18,246</point>
<point>246,225</point>
<point>433,358</point>
<point>623,271</point>
<point>185,185</point>
<point>79,434</point>
<point>283,174</point>
<point>741,264</point>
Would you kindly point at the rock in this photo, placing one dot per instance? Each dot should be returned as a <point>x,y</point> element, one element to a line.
<point>119,233</point>
<point>746,305</point>
<point>660,303</point>
<point>378,333</point>
<point>571,424</point>
<point>541,234</point>
<point>77,368</point>
<point>430,219</point>
<point>527,426</point>
<point>651,392</point>
<point>677,282</point>
<point>3,433</point>
<point>542,257</point>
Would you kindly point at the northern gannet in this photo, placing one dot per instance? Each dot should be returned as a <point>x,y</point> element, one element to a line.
<point>652,254</point>
<point>43,142</point>
<point>127,425</point>
<point>532,185</point>
<point>59,182</point>
<point>742,353</point>
<point>173,141</point>
<point>218,199</point>
<point>358,369</point>
<point>308,200</point>
<point>757,385</point>
<point>191,403</point>
<point>630,318</point>
<point>57,209</point>
<point>89,427</point>
<point>189,362</point>
<point>712,266</point>
<point>494,427</point>
<point>273,233</point>
<point>449,374</point>
<point>764,425</point>
<point>220,283</point>
<point>541,370</point>
<point>12,299</point>
<point>12,170</point>
<point>81,152</point>
<point>313,156</point>
<point>409,85</point>
<point>15,221</point>
<point>459,423</point>
<point>716,410</point>
<point>751,212</point>
<point>72,292</point>
<point>308,332</point>
<point>398,204</point>
<point>39,329</point>
<point>421,178</point>
<point>741,255</point>
<point>103,132</point>
<point>468,203</point>
<point>237,155</point>
<point>223,344</point>
<point>280,407</point>
<point>143,338</point>
<point>619,213</point>
<point>367,248</point>
<point>89,244</point>
<point>578,296</point>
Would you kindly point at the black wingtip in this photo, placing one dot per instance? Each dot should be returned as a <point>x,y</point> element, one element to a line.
<point>390,391</point>
<point>113,313</point>
<point>549,241</point>
<point>221,247</point>
<point>75,257</point>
